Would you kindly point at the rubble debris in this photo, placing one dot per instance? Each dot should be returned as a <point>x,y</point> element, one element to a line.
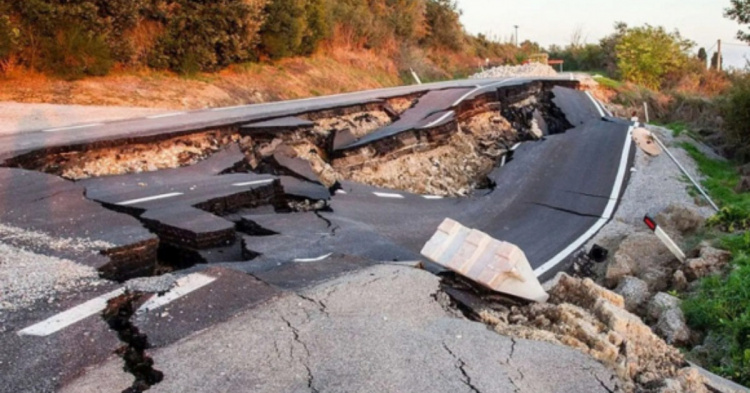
<point>118,316</point>
<point>592,319</point>
<point>644,256</point>
<point>527,70</point>
<point>359,123</point>
<point>635,292</point>
<point>135,158</point>
<point>497,265</point>
<point>681,219</point>
<point>709,261</point>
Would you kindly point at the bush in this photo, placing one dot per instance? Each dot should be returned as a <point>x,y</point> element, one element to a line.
<point>220,33</point>
<point>443,21</point>
<point>73,54</point>
<point>722,306</point>
<point>735,109</point>
<point>648,55</point>
<point>294,27</point>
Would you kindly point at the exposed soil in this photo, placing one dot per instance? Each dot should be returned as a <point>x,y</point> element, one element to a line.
<point>449,160</point>
<point>590,318</point>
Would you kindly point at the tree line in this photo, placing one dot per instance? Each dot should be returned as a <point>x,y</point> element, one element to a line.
<point>76,38</point>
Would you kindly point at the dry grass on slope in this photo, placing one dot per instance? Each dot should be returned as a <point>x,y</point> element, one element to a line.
<point>336,71</point>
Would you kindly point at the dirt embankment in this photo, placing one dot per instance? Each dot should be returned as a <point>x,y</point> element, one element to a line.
<point>336,72</point>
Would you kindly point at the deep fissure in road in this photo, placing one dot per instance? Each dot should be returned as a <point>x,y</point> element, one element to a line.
<point>451,159</point>
<point>313,152</point>
<point>118,315</point>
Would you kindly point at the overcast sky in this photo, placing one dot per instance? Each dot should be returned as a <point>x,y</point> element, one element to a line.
<point>554,21</point>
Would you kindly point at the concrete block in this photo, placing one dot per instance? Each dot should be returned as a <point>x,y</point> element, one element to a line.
<point>497,265</point>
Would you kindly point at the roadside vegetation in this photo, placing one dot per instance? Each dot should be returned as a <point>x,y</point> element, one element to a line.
<point>72,39</point>
<point>720,305</point>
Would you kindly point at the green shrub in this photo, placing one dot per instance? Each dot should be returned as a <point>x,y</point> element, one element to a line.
<point>294,27</point>
<point>648,55</point>
<point>207,36</point>
<point>735,109</point>
<point>721,305</point>
<point>443,21</point>
<point>74,53</point>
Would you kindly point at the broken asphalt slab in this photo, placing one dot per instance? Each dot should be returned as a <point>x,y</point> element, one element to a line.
<point>363,332</point>
<point>51,216</point>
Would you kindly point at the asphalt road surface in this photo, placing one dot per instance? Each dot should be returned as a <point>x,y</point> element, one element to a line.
<point>549,200</point>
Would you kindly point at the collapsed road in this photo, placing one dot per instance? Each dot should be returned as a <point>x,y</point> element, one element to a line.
<point>294,193</point>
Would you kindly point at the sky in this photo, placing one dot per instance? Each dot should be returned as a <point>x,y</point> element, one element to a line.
<point>555,21</point>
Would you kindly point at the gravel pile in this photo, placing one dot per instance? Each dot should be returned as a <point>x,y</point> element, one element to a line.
<point>26,277</point>
<point>531,69</point>
<point>655,183</point>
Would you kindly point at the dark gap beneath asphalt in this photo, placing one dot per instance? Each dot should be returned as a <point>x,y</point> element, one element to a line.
<point>118,315</point>
<point>569,211</point>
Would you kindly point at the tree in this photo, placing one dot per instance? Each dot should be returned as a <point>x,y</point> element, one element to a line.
<point>739,11</point>
<point>702,55</point>
<point>646,55</point>
<point>443,21</point>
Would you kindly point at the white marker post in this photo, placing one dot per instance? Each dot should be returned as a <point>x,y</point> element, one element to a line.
<point>415,76</point>
<point>671,245</point>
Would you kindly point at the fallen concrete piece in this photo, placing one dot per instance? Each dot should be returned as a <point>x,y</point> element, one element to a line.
<point>645,141</point>
<point>497,265</point>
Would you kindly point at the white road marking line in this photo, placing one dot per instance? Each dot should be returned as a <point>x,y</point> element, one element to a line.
<point>73,127</point>
<point>183,286</point>
<point>148,199</point>
<point>165,115</point>
<point>253,183</point>
<point>432,197</point>
<point>438,121</point>
<point>516,146</point>
<point>66,318</point>
<point>387,195</point>
<point>616,189</point>
<point>308,260</point>
<point>596,104</point>
<point>467,95</point>
<point>229,108</point>
<point>342,192</point>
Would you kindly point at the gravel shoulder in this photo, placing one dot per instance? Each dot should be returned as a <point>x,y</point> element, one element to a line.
<point>655,183</point>
<point>20,118</point>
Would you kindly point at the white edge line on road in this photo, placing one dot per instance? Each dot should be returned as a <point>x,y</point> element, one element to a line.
<point>438,121</point>
<point>73,127</point>
<point>342,192</point>
<point>596,104</point>
<point>308,260</point>
<point>183,286</point>
<point>516,146</point>
<point>165,115</point>
<point>614,197</point>
<point>148,199</point>
<point>66,318</point>
<point>467,95</point>
<point>432,197</point>
<point>388,195</point>
<point>253,183</point>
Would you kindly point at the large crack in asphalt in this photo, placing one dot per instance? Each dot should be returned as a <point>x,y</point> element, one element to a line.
<point>117,315</point>
<point>461,366</point>
<point>304,362</point>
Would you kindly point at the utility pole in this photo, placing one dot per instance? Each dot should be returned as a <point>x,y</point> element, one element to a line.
<point>516,26</point>
<point>719,66</point>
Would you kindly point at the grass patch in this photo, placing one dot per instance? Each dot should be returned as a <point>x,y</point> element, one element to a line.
<point>721,304</point>
<point>677,128</point>
<point>721,180</point>
<point>607,82</point>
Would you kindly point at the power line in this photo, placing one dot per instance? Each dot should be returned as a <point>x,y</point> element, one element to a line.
<point>736,44</point>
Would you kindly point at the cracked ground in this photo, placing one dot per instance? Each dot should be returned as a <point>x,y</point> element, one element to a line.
<point>377,330</point>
